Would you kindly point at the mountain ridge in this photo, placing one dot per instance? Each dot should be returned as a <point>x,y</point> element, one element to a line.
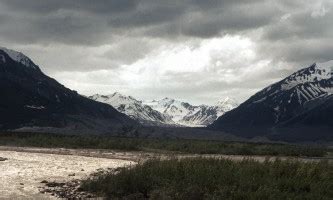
<point>167,111</point>
<point>268,111</point>
<point>134,108</point>
<point>32,99</point>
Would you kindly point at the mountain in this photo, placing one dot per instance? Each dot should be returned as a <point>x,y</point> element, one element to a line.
<point>296,108</point>
<point>176,109</point>
<point>32,99</point>
<point>134,108</point>
<point>167,111</point>
<point>186,114</point>
<point>206,115</point>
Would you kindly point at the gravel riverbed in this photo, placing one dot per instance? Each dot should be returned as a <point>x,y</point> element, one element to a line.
<point>21,173</point>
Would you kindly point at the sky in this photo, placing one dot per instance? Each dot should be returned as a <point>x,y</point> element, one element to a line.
<point>192,50</point>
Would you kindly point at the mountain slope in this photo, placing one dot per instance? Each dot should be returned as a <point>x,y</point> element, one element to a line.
<point>134,108</point>
<point>189,115</point>
<point>32,99</point>
<point>281,109</point>
<point>314,124</point>
<point>206,115</point>
<point>174,108</point>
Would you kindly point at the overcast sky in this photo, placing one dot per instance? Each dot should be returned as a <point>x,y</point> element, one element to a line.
<point>200,51</point>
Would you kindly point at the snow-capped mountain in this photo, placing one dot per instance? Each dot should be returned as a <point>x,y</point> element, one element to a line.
<point>30,99</point>
<point>134,108</point>
<point>206,115</point>
<point>18,57</point>
<point>186,114</point>
<point>167,111</point>
<point>225,105</point>
<point>278,109</point>
<point>174,108</point>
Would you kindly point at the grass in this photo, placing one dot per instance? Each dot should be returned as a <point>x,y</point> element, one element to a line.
<point>159,145</point>
<point>204,178</point>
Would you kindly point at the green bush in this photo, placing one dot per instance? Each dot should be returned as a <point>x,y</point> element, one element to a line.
<point>203,178</point>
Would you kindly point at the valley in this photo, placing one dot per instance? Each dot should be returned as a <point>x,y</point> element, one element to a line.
<point>296,109</point>
<point>166,100</point>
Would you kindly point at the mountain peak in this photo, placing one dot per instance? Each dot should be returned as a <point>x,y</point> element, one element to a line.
<point>325,65</point>
<point>133,108</point>
<point>316,72</point>
<point>37,102</point>
<point>167,99</point>
<point>19,57</point>
<point>116,94</point>
<point>226,101</point>
<point>300,105</point>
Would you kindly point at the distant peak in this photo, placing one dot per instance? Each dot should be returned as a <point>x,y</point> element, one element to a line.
<point>107,95</point>
<point>167,99</point>
<point>19,57</point>
<point>116,94</point>
<point>328,64</point>
<point>227,100</point>
<point>316,72</point>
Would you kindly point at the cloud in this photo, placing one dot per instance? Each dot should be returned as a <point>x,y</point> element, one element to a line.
<point>301,36</point>
<point>201,69</point>
<point>47,6</point>
<point>190,49</point>
<point>95,23</point>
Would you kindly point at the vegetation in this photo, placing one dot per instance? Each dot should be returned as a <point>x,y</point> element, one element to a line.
<point>158,145</point>
<point>197,178</point>
<point>204,178</point>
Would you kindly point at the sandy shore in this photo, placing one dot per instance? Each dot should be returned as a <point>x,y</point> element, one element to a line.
<point>22,173</point>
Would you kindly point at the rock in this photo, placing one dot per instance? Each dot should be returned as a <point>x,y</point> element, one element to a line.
<point>62,194</point>
<point>44,181</point>
<point>54,184</point>
<point>48,190</point>
<point>71,174</point>
<point>68,190</point>
<point>3,159</point>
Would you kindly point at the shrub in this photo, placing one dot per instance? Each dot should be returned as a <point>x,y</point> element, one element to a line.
<point>204,178</point>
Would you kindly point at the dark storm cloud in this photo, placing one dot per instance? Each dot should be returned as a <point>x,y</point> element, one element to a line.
<point>303,36</point>
<point>88,36</point>
<point>86,22</point>
<point>92,22</point>
<point>47,6</point>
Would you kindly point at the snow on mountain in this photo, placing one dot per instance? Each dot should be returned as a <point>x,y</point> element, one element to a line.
<point>297,90</point>
<point>280,103</point>
<point>174,108</point>
<point>166,111</point>
<point>34,101</point>
<point>186,114</point>
<point>225,105</point>
<point>302,86</point>
<point>203,116</point>
<point>206,115</point>
<point>133,108</point>
<point>316,72</point>
<point>18,57</point>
